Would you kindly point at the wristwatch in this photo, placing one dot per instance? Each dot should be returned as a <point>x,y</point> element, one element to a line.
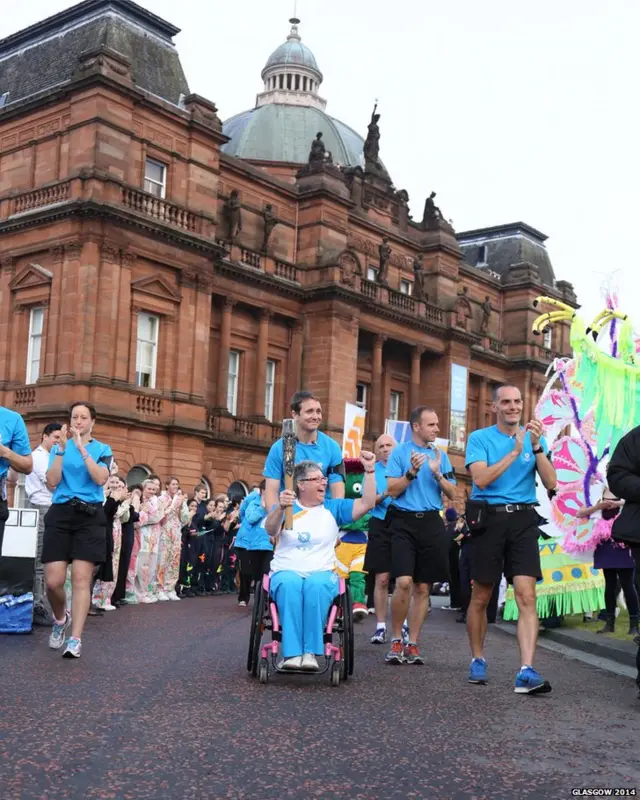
<point>537,451</point>
<point>410,476</point>
<point>438,476</point>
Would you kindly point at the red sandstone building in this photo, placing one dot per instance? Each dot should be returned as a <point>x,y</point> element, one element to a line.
<point>142,269</point>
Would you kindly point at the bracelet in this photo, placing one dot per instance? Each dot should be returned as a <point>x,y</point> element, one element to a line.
<point>369,471</point>
<point>60,453</point>
<point>84,458</point>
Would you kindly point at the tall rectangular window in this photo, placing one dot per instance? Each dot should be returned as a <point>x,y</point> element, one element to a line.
<point>406,287</point>
<point>372,274</point>
<point>482,255</point>
<point>548,338</point>
<point>269,390</point>
<point>232,382</point>
<point>155,177</point>
<point>394,405</point>
<point>147,350</point>
<point>34,349</point>
<point>361,395</point>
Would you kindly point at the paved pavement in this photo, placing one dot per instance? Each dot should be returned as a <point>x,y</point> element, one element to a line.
<point>160,706</point>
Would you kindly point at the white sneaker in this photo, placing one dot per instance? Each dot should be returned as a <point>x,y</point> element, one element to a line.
<point>295,662</point>
<point>108,607</point>
<point>56,638</point>
<point>173,596</point>
<point>310,662</point>
<point>371,611</point>
<point>149,599</point>
<point>242,604</point>
<point>163,597</point>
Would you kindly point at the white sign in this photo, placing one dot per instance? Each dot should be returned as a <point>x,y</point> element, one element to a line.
<point>354,418</point>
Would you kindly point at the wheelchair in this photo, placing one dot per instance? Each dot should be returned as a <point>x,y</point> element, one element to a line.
<point>262,659</point>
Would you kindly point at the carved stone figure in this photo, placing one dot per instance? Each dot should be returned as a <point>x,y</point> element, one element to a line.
<point>432,214</point>
<point>349,268</point>
<point>418,278</point>
<point>270,222</point>
<point>462,308</point>
<point>318,151</point>
<point>384,254</point>
<point>372,143</point>
<point>233,214</point>
<point>487,310</point>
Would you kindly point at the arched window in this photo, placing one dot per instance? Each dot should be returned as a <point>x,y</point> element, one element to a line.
<point>137,474</point>
<point>238,490</point>
<point>207,485</point>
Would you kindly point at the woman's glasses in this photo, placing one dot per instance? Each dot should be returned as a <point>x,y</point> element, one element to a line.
<point>320,479</point>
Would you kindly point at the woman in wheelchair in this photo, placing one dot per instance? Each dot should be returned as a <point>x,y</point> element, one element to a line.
<point>303,580</point>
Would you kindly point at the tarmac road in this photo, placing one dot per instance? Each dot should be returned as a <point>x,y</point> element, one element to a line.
<point>160,706</point>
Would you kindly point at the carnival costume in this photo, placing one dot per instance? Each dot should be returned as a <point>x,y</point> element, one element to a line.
<point>596,394</point>
<point>351,550</point>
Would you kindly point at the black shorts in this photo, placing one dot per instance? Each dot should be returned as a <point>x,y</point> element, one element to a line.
<point>509,546</point>
<point>70,534</point>
<point>377,559</point>
<point>419,546</point>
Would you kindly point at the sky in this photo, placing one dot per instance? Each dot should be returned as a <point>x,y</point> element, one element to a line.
<point>509,110</point>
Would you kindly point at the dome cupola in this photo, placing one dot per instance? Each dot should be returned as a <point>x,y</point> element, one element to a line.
<point>291,75</point>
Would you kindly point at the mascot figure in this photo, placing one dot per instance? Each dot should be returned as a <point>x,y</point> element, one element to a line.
<point>353,542</point>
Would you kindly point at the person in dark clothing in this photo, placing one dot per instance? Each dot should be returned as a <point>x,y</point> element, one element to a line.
<point>189,554</point>
<point>451,526</point>
<point>117,598</point>
<point>464,565</point>
<point>623,478</point>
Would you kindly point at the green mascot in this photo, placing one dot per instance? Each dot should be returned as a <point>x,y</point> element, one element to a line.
<point>353,541</point>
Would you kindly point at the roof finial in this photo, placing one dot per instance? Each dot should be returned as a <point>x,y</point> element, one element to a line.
<point>293,33</point>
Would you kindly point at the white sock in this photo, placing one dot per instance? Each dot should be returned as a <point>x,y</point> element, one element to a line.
<point>382,625</point>
<point>525,666</point>
<point>405,624</point>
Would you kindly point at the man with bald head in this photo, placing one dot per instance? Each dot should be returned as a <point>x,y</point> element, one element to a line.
<point>377,561</point>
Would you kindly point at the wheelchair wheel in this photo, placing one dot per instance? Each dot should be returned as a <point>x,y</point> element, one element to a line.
<point>263,674</point>
<point>335,674</point>
<point>346,665</point>
<point>255,636</point>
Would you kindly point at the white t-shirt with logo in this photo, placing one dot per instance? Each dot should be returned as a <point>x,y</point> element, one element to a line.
<point>310,546</point>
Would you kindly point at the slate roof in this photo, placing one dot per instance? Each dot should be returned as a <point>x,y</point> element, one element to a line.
<point>45,55</point>
<point>506,245</point>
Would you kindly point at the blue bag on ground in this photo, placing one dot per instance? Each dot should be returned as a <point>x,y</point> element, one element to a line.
<point>16,613</point>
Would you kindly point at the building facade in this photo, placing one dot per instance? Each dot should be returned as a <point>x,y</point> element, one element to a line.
<point>187,276</point>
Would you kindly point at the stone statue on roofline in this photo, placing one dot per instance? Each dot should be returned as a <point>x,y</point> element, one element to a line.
<point>233,215</point>
<point>270,222</point>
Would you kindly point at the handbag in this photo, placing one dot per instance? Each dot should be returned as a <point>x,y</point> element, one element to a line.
<point>477,516</point>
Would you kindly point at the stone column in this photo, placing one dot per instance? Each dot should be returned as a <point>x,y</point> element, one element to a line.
<point>202,336</point>
<point>377,399</point>
<point>7,264</point>
<point>124,347</point>
<point>225,345</point>
<point>416,360</point>
<point>482,402</point>
<point>294,372</point>
<point>107,311</point>
<point>73,312</point>
<point>261,363</point>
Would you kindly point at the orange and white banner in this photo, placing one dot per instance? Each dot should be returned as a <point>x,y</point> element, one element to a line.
<point>354,417</point>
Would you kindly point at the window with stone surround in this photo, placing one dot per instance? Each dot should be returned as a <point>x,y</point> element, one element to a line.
<point>547,340</point>
<point>406,287</point>
<point>361,395</point>
<point>482,255</point>
<point>147,350</point>
<point>269,390</point>
<point>34,350</point>
<point>232,382</point>
<point>137,474</point>
<point>372,274</point>
<point>155,177</point>
<point>395,399</point>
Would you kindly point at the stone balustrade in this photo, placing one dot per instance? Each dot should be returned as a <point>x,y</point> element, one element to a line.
<point>161,210</point>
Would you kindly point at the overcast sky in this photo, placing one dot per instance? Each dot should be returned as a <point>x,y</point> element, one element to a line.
<point>510,110</point>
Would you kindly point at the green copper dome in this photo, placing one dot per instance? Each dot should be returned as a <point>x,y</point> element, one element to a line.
<point>280,132</point>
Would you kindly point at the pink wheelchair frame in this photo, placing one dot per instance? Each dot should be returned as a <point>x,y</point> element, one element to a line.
<point>263,657</point>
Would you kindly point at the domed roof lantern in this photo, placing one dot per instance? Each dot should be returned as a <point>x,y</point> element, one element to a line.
<point>291,75</point>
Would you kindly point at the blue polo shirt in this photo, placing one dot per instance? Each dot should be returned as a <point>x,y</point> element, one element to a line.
<point>380,511</point>
<point>423,493</point>
<point>325,452</point>
<point>76,481</point>
<point>517,484</point>
<point>14,436</point>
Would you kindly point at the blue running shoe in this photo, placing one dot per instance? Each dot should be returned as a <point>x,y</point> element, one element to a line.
<point>529,682</point>
<point>478,671</point>
<point>405,634</point>
<point>380,636</point>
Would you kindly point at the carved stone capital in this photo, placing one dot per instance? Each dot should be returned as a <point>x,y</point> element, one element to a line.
<point>57,253</point>
<point>419,350</point>
<point>379,339</point>
<point>7,262</point>
<point>265,314</point>
<point>128,259</point>
<point>73,250</point>
<point>229,303</point>
<point>109,252</point>
<point>189,278</point>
